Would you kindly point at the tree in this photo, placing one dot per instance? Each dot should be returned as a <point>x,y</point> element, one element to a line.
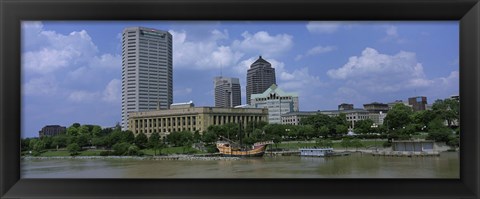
<point>454,142</point>
<point>356,143</point>
<point>323,142</point>
<point>181,138</point>
<point>209,137</point>
<point>346,142</point>
<point>127,136</point>
<point>72,130</point>
<point>38,146</point>
<point>155,142</point>
<point>73,149</point>
<point>60,141</point>
<point>324,131</point>
<point>120,148</point>
<point>96,130</point>
<point>398,117</point>
<point>363,126</point>
<point>83,130</point>
<point>141,140</point>
<point>448,110</point>
<point>341,129</point>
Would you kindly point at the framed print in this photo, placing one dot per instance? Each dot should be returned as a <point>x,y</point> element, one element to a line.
<point>274,99</point>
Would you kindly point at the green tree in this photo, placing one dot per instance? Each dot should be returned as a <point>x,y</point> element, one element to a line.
<point>324,143</point>
<point>73,149</point>
<point>341,129</point>
<point>141,140</point>
<point>324,131</point>
<point>120,148</point>
<point>83,130</point>
<point>180,138</point>
<point>155,142</point>
<point>96,131</point>
<point>356,143</point>
<point>127,136</point>
<point>346,142</point>
<point>72,130</point>
<point>209,137</point>
<point>38,146</point>
<point>363,126</point>
<point>398,117</point>
<point>448,110</point>
<point>60,141</point>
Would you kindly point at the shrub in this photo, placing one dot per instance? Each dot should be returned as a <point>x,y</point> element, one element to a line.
<point>73,148</point>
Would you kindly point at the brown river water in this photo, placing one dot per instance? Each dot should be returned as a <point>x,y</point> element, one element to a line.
<point>357,165</point>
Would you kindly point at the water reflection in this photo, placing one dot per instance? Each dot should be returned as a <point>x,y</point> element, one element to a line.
<point>353,166</point>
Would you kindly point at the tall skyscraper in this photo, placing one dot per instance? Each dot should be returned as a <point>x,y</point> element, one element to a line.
<point>227,92</point>
<point>146,71</point>
<point>260,77</point>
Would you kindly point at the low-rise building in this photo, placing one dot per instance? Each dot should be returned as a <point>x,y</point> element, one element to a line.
<point>186,117</point>
<point>276,101</point>
<point>352,115</point>
<point>293,118</point>
<point>52,130</point>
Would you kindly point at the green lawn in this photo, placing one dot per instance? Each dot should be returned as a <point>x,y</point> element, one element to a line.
<point>66,153</point>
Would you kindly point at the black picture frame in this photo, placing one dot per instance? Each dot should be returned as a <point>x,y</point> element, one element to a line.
<point>12,12</point>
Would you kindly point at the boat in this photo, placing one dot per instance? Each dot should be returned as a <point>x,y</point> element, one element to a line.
<point>227,148</point>
<point>320,152</point>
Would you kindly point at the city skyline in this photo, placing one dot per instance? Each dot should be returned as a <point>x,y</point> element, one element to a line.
<point>72,70</point>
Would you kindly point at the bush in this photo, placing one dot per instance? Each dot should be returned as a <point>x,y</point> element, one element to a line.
<point>106,153</point>
<point>211,149</point>
<point>120,148</point>
<point>73,148</point>
<point>387,144</point>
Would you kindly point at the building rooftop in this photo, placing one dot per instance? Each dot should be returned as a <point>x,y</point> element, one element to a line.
<point>261,60</point>
<point>273,89</point>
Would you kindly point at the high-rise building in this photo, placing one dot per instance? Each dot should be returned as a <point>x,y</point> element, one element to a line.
<point>276,101</point>
<point>260,77</point>
<point>418,103</point>
<point>146,71</point>
<point>227,92</point>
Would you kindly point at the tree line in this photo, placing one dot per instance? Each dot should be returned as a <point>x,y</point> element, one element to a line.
<point>440,123</point>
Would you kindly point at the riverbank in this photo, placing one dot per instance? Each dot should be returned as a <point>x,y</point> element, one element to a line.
<point>169,157</point>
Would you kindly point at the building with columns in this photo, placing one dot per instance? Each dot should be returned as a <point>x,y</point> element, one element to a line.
<point>190,118</point>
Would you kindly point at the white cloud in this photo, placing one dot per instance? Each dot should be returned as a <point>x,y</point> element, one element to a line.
<point>83,96</point>
<point>183,91</point>
<point>113,91</point>
<point>262,43</point>
<point>316,51</point>
<point>374,72</point>
<point>299,80</point>
<point>392,35</point>
<point>57,61</point>
<point>325,27</point>
<point>46,85</point>
<point>207,54</point>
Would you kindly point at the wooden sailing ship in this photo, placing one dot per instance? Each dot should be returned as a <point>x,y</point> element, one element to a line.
<point>257,150</point>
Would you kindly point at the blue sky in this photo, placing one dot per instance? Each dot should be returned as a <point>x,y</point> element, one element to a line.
<point>71,70</point>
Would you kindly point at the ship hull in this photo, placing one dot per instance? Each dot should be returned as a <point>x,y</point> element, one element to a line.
<point>258,151</point>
